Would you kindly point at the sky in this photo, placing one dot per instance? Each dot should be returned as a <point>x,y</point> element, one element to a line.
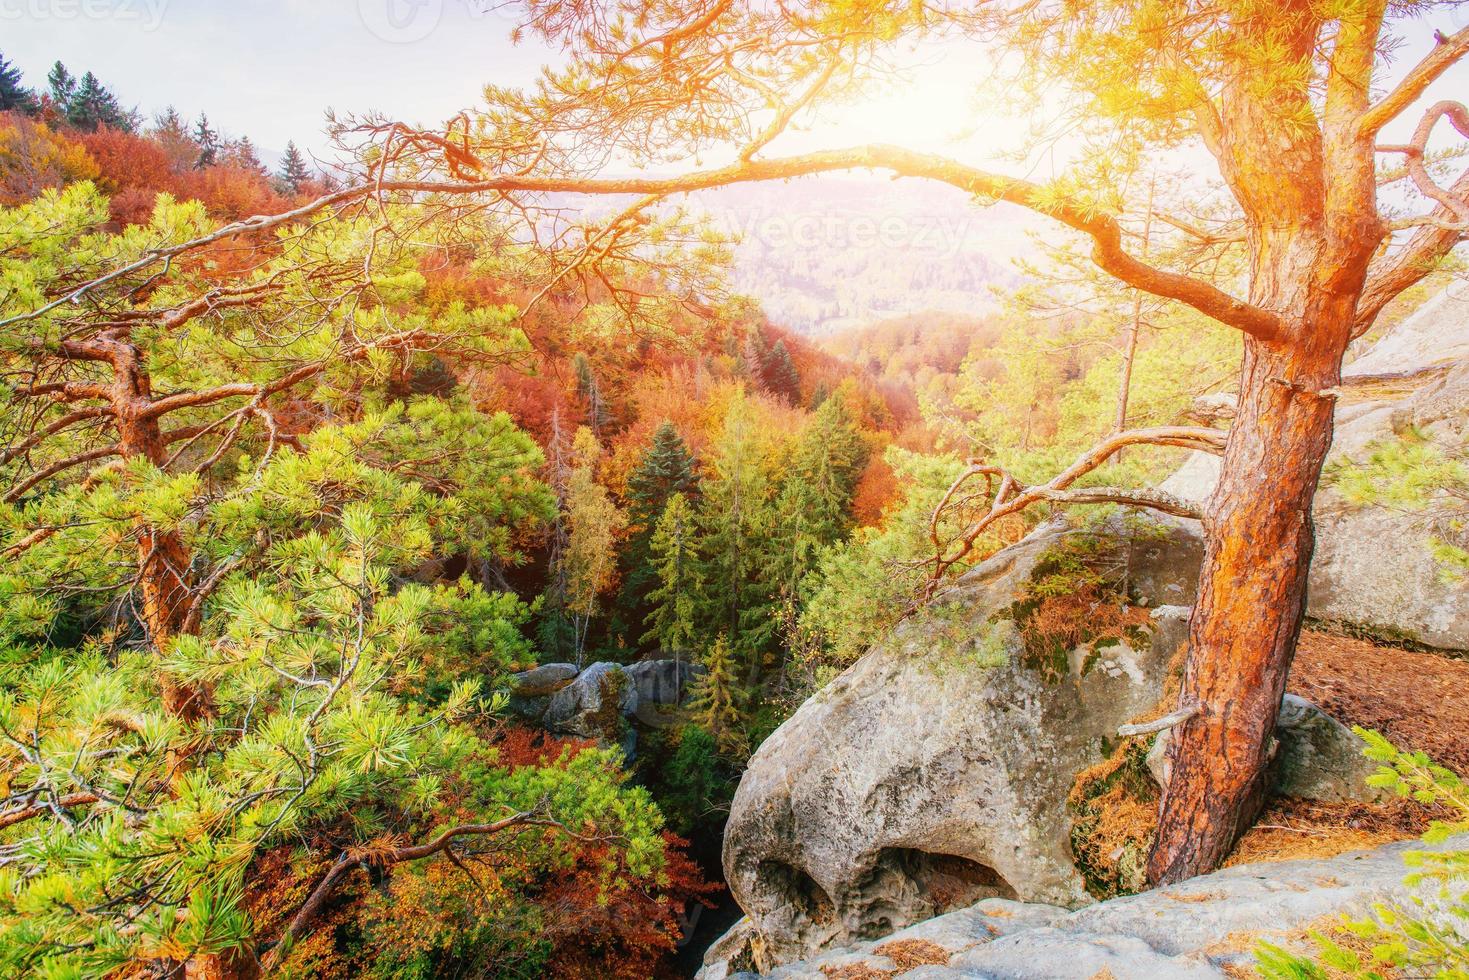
<point>271,68</point>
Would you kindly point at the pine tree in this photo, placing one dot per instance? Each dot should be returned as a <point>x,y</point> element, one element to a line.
<point>780,375</point>
<point>813,508</point>
<point>92,105</point>
<point>14,96</point>
<point>666,469</point>
<point>294,170</point>
<point>207,139</point>
<point>735,519</point>
<point>674,561</point>
<point>715,702</point>
<point>753,358</point>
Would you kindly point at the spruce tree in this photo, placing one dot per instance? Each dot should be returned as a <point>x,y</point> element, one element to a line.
<point>63,86</point>
<point>674,562</point>
<point>207,139</point>
<point>813,508</point>
<point>666,469</point>
<point>92,105</point>
<point>735,521</point>
<point>294,170</point>
<point>780,374</point>
<point>14,96</point>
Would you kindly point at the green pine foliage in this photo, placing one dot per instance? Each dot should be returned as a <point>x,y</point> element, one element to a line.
<point>674,559</point>
<point>780,375</point>
<point>665,470</point>
<point>1407,472</point>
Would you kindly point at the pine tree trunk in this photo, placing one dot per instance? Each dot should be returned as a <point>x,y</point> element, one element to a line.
<point>164,590</point>
<point>1252,593</point>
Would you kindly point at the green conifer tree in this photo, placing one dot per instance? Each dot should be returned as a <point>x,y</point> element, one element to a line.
<point>14,96</point>
<point>780,374</point>
<point>294,170</point>
<point>207,139</point>
<point>666,469</point>
<point>93,105</point>
<point>62,86</point>
<point>715,704</point>
<point>674,562</point>
<point>735,518</point>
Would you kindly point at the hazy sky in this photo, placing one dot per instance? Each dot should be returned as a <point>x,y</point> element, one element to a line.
<point>270,68</point>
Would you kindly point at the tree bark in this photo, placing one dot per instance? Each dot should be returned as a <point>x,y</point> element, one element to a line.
<point>1252,592</point>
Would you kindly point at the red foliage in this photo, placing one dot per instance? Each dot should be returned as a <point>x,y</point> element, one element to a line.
<point>136,169</point>
<point>520,747</point>
<point>877,489</point>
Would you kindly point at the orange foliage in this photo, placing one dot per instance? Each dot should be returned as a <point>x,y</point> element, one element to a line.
<point>34,157</point>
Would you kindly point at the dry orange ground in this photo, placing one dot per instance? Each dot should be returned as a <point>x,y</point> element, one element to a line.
<point>1418,700</point>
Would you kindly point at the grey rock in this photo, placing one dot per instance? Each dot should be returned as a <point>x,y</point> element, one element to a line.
<point>541,681</point>
<point>580,707</point>
<point>1204,928</point>
<point>648,690</point>
<point>934,771</point>
<point>1318,758</point>
<point>661,686</point>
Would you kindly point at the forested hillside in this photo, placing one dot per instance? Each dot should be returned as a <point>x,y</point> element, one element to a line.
<point>409,567</point>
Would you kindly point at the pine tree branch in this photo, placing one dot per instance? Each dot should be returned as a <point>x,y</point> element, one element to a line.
<point>1448,51</point>
<point>1008,496</point>
<point>1104,230</point>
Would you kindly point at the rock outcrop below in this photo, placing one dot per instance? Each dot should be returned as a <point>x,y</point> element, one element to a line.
<point>935,771</point>
<point>1205,928</point>
<point>593,702</point>
<point>1374,567</point>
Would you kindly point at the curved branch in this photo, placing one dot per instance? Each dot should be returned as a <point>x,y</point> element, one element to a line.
<point>1410,264</point>
<point>1448,51</point>
<point>1413,155</point>
<point>1104,230</point>
<point>1012,497</point>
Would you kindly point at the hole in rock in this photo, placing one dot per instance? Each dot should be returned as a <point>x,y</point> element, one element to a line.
<point>946,881</point>
<point>794,887</point>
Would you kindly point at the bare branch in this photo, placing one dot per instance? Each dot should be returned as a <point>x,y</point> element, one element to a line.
<point>1011,497</point>
<point>1448,51</point>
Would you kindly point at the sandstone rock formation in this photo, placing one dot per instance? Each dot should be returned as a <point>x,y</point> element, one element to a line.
<point>1205,928</point>
<point>592,702</point>
<point>935,771</point>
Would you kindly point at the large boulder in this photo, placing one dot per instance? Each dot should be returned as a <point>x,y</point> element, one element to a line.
<point>935,771</point>
<point>593,704</point>
<point>1205,928</point>
<point>1374,567</point>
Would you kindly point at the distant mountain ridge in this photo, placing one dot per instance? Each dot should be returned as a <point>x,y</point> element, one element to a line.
<point>823,255</point>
